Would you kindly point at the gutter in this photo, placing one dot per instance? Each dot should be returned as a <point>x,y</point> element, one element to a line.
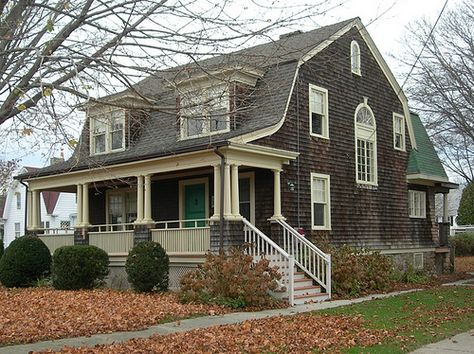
<point>26,206</point>
<point>221,206</point>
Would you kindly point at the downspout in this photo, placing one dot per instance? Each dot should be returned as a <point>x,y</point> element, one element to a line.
<point>26,206</point>
<point>221,206</point>
<point>298,196</point>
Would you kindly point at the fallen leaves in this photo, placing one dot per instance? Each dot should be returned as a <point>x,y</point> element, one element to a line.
<point>35,314</point>
<point>289,334</point>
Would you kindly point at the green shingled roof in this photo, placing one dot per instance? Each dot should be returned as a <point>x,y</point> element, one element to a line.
<point>424,160</point>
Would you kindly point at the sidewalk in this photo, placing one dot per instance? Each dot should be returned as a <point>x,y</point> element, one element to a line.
<point>461,343</point>
<point>184,325</point>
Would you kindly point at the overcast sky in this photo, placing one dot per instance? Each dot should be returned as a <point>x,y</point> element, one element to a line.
<point>386,21</point>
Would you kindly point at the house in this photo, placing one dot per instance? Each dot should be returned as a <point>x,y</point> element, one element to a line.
<point>58,211</point>
<point>309,134</point>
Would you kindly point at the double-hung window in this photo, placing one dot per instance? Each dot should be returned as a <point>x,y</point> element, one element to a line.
<point>320,202</point>
<point>365,145</point>
<point>318,111</point>
<point>204,112</point>
<point>107,132</point>
<point>417,204</point>
<point>17,229</point>
<point>18,200</point>
<point>398,132</point>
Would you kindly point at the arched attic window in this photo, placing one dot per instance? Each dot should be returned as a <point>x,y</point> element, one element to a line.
<point>365,144</point>
<point>355,58</point>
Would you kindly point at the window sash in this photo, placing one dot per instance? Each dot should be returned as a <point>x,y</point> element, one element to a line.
<point>320,211</point>
<point>18,200</point>
<point>365,161</point>
<point>108,131</point>
<point>318,111</point>
<point>17,229</point>
<point>355,58</point>
<point>417,204</point>
<point>398,132</point>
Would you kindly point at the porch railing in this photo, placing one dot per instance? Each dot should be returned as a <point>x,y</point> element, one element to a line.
<point>307,256</point>
<point>112,241</point>
<point>112,227</point>
<point>54,241</point>
<point>183,236</point>
<point>263,246</point>
<point>56,231</point>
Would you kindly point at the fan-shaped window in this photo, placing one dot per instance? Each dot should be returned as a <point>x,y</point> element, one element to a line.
<point>365,144</point>
<point>355,58</point>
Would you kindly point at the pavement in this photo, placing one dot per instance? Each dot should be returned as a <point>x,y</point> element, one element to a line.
<point>462,343</point>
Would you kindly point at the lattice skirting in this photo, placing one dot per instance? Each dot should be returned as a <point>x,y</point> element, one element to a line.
<point>176,273</point>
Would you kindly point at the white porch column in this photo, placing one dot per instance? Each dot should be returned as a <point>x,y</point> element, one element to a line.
<point>79,221</point>
<point>85,204</point>
<point>29,210</point>
<point>227,191</point>
<point>217,191</point>
<point>276,195</point>
<point>36,213</point>
<point>139,199</point>
<point>235,191</point>
<point>445,208</point>
<point>147,193</point>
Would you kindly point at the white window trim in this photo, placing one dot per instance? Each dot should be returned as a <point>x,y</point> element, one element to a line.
<point>187,182</point>
<point>17,232</point>
<point>251,177</point>
<point>402,118</point>
<point>18,200</point>
<point>327,216</point>
<point>324,91</point>
<point>366,133</point>
<point>354,57</point>
<point>206,131</point>
<point>123,192</point>
<point>411,194</point>
<point>108,132</point>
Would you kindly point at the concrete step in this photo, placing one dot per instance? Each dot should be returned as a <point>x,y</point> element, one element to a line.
<point>304,299</point>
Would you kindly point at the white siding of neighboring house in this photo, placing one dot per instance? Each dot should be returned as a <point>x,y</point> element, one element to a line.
<point>65,210</point>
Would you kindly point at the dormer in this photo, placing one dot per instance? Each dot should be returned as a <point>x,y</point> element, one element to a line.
<point>207,101</point>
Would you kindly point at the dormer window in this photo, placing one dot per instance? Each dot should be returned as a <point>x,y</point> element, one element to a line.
<point>355,58</point>
<point>204,112</point>
<point>107,132</point>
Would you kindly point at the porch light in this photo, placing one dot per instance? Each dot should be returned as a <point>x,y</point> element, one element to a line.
<point>291,186</point>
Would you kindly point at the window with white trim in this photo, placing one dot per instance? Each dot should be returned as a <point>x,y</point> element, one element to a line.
<point>398,132</point>
<point>365,144</point>
<point>121,206</point>
<point>204,112</point>
<point>18,200</point>
<point>417,204</point>
<point>17,229</point>
<point>355,58</point>
<point>320,202</point>
<point>107,132</point>
<point>318,111</point>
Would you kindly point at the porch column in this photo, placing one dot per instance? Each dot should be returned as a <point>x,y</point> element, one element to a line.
<point>227,210</point>
<point>217,191</point>
<point>85,204</point>
<point>276,195</point>
<point>29,210</point>
<point>79,205</point>
<point>235,191</point>
<point>445,208</point>
<point>36,213</point>
<point>139,199</point>
<point>147,193</point>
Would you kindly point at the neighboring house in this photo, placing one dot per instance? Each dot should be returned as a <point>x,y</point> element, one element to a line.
<point>454,199</point>
<point>58,210</point>
<point>310,132</point>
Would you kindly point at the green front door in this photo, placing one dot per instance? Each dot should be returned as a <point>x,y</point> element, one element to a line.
<point>194,203</point>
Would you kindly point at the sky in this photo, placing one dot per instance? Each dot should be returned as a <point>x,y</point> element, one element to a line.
<point>386,21</point>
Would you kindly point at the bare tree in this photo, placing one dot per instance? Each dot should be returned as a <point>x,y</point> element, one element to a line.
<point>55,54</point>
<point>7,169</point>
<point>441,86</point>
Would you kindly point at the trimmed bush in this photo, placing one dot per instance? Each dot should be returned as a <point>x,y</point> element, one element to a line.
<point>231,280</point>
<point>463,244</point>
<point>25,260</point>
<point>466,206</point>
<point>79,267</point>
<point>147,267</point>
<point>357,271</point>
<point>2,248</point>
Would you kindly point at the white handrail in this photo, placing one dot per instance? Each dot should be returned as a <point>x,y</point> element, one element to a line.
<point>178,224</point>
<point>308,257</point>
<point>263,246</point>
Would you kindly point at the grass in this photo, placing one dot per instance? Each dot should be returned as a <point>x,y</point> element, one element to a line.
<point>415,319</point>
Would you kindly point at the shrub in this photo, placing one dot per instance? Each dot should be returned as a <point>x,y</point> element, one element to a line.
<point>232,280</point>
<point>463,244</point>
<point>466,206</point>
<point>25,260</point>
<point>147,267</point>
<point>356,271</point>
<point>2,249</point>
<point>411,276</point>
<point>79,267</point>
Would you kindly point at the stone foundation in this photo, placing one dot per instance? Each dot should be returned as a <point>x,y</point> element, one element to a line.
<point>429,262</point>
<point>141,233</point>
<point>81,237</point>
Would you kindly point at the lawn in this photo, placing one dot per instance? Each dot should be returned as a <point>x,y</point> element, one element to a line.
<point>35,314</point>
<point>392,325</point>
